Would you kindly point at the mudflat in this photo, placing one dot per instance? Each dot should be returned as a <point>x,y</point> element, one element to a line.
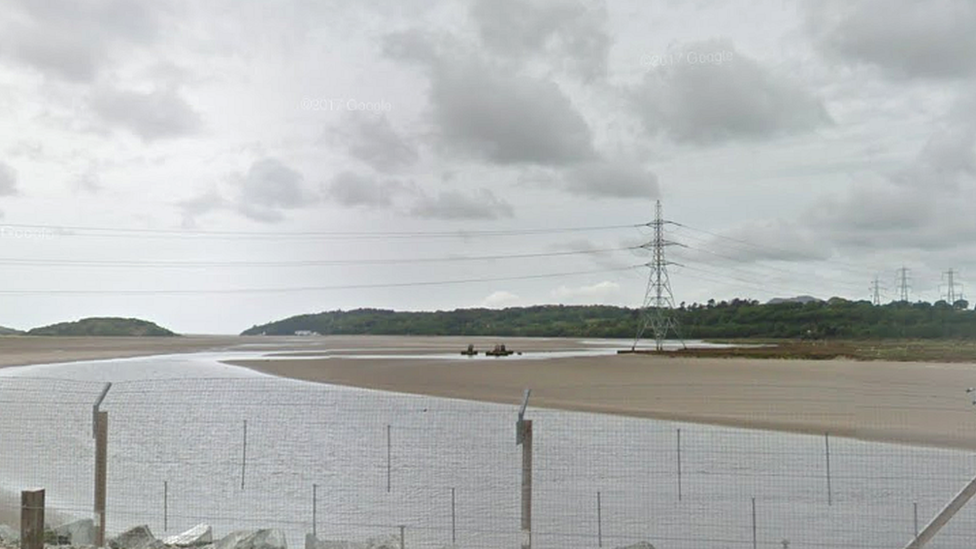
<point>907,402</point>
<point>23,350</point>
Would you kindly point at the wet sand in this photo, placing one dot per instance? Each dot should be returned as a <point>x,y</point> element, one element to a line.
<point>915,403</point>
<point>23,350</point>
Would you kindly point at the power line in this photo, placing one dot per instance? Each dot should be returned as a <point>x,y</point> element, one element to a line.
<point>52,231</point>
<point>305,263</point>
<point>301,289</point>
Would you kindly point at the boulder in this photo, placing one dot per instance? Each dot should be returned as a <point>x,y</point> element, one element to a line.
<point>8,535</point>
<point>638,545</point>
<point>201,534</point>
<point>139,537</point>
<point>79,532</point>
<point>253,539</point>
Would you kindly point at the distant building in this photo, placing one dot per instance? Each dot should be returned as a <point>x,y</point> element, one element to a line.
<point>305,333</point>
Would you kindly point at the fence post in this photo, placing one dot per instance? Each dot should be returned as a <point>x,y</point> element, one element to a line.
<point>165,506</point>
<point>523,436</point>
<point>32,519</point>
<point>754,537</point>
<point>402,537</point>
<point>101,476</point>
<point>453,520</point>
<point>389,457</point>
<point>244,455</point>
<point>315,504</point>
<point>830,492</point>
<point>915,517</point>
<point>679,464</point>
<point>599,520</point>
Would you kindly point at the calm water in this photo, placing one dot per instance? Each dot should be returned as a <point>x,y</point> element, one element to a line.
<point>179,420</point>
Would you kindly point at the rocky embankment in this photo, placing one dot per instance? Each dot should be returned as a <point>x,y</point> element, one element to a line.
<point>82,534</point>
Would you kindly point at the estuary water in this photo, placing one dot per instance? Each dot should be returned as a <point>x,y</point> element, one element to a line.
<point>353,463</point>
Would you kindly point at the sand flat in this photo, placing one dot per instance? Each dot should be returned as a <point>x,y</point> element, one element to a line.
<point>915,403</point>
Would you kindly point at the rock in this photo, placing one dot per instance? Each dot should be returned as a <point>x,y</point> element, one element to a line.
<point>638,545</point>
<point>312,542</point>
<point>8,535</point>
<point>79,532</point>
<point>253,539</point>
<point>201,534</point>
<point>385,542</point>
<point>139,537</point>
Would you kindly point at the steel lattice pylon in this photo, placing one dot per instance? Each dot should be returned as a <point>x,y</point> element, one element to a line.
<point>658,299</point>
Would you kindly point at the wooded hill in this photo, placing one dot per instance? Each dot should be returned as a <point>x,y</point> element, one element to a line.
<point>106,326</point>
<point>835,318</point>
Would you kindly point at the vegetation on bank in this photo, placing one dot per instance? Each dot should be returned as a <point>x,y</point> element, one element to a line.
<point>104,327</point>
<point>834,319</point>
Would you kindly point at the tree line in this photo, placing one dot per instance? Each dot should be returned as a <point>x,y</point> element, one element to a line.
<point>738,318</point>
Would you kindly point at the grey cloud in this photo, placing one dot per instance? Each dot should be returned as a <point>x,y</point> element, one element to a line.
<point>264,193</point>
<point>925,205</point>
<point>611,180</point>
<point>355,190</point>
<point>708,92</point>
<point>493,114</point>
<point>200,205</point>
<point>454,205</point>
<point>268,188</point>
<point>771,240</point>
<point>73,39</point>
<point>575,33</point>
<point>158,114</point>
<point>904,38</point>
<point>8,180</point>
<point>374,141</point>
<point>87,182</point>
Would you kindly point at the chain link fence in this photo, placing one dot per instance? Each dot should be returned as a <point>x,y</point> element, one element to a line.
<point>352,464</point>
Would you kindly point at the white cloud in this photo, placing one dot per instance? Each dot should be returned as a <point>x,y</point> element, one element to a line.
<point>500,299</point>
<point>601,292</point>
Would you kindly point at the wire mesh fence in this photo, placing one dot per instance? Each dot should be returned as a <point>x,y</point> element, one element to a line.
<point>352,464</point>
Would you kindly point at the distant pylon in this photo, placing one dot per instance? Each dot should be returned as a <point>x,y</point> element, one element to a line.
<point>951,295</point>
<point>903,286</point>
<point>658,299</point>
<point>876,291</point>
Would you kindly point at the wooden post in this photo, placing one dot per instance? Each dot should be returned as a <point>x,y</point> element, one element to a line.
<point>101,476</point>
<point>32,519</point>
<point>403,537</point>
<point>453,520</point>
<point>527,484</point>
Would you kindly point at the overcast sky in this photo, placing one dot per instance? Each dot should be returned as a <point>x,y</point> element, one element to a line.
<point>202,164</point>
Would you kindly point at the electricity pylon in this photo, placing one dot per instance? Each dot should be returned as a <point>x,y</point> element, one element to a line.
<point>876,291</point>
<point>951,295</point>
<point>658,299</point>
<point>903,286</point>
